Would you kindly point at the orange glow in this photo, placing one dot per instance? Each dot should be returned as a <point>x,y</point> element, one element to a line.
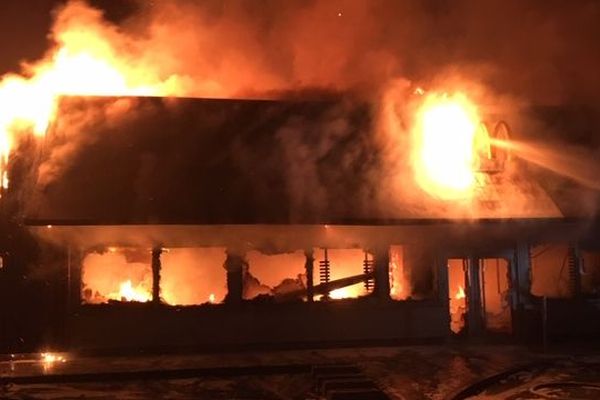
<point>445,151</point>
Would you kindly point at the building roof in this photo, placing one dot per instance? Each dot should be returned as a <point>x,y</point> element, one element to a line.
<point>151,160</point>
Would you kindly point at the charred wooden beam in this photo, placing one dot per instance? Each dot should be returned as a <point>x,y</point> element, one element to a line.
<point>326,288</point>
<point>156,252</point>
<point>309,267</point>
<point>234,264</point>
<point>475,316</point>
<point>382,273</point>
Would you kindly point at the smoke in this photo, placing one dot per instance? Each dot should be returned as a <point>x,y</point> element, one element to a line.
<point>503,53</point>
<point>540,52</point>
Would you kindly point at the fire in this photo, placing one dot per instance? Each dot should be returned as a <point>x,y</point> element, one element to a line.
<point>49,358</point>
<point>87,60</point>
<point>342,293</point>
<point>460,293</point>
<point>445,152</point>
<point>128,293</point>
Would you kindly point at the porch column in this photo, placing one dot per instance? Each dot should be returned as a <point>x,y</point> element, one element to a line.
<point>382,272</point>
<point>234,265</point>
<point>475,314</point>
<point>156,252</point>
<point>521,277</point>
<point>527,314</point>
<point>441,274</point>
<point>74,265</point>
<point>309,267</point>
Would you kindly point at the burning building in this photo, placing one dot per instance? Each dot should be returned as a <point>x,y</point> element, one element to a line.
<point>300,217</point>
<point>204,222</point>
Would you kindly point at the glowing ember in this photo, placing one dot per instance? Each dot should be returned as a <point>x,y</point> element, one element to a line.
<point>445,145</point>
<point>212,298</point>
<point>128,293</point>
<point>50,358</point>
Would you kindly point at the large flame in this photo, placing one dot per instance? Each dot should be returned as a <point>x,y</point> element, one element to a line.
<point>127,292</point>
<point>445,134</point>
<point>86,60</point>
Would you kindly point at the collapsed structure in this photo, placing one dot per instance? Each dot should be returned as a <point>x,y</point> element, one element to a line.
<point>202,223</point>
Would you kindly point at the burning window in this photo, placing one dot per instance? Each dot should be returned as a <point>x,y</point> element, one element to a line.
<point>193,276</point>
<point>494,289</point>
<point>458,299</point>
<point>119,274</point>
<point>342,263</point>
<point>274,274</point>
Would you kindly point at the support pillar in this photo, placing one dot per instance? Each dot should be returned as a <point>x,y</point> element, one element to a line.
<point>309,267</point>
<point>156,252</point>
<point>74,265</point>
<point>475,312</point>
<point>574,264</point>
<point>521,277</point>
<point>441,275</point>
<point>234,264</point>
<point>382,273</point>
<point>527,315</point>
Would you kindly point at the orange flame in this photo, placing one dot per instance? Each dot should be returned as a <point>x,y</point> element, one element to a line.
<point>342,293</point>
<point>445,150</point>
<point>460,293</point>
<point>129,293</point>
<point>87,60</point>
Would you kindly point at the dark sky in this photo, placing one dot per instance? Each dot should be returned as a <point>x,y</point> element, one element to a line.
<point>25,25</point>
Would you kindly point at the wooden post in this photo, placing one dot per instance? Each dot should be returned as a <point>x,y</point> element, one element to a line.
<point>309,267</point>
<point>382,272</point>
<point>234,264</point>
<point>156,252</point>
<point>475,311</point>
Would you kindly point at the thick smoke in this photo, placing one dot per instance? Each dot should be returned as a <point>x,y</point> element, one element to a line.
<point>535,51</point>
<point>503,53</point>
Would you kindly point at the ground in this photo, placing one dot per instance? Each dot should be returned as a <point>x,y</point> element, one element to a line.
<point>410,372</point>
